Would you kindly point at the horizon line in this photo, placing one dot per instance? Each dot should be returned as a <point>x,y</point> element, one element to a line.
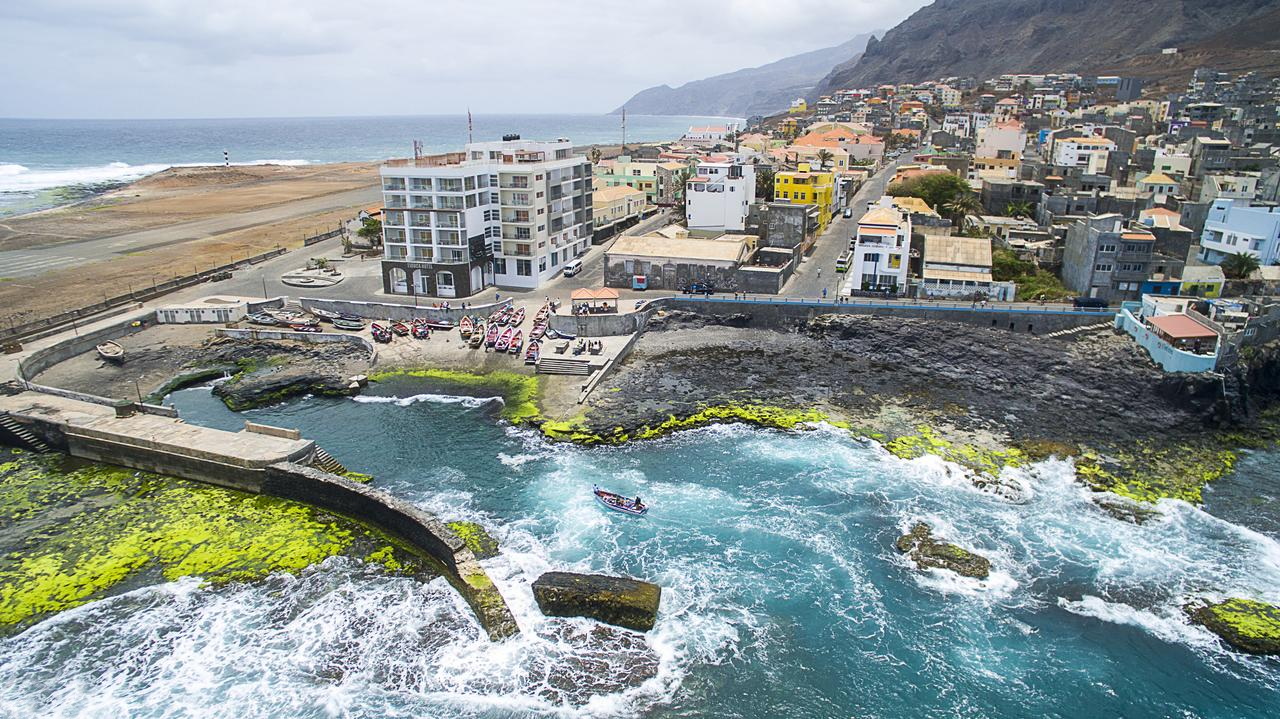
<point>350,117</point>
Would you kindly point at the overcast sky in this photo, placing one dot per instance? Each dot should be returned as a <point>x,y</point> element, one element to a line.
<point>250,58</point>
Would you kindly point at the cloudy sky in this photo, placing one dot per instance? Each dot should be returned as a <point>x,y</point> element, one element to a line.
<point>249,58</point>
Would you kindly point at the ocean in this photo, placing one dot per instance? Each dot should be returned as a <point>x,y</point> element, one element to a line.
<point>44,163</point>
<point>782,593</point>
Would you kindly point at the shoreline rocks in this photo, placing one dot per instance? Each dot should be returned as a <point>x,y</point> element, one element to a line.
<point>1245,624</point>
<point>622,602</point>
<point>928,553</point>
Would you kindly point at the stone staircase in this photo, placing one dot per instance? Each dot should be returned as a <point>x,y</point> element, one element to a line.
<point>1082,329</point>
<point>557,365</point>
<point>324,461</point>
<point>22,436</point>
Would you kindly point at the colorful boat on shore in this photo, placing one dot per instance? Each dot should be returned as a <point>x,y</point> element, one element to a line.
<point>538,331</point>
<point>302,327</point>
<point>400,328</point>
<point>438,324</point>
<point>619,503</point>
<point>325,315</point>
<point>465,325</point>
<point>517,319</point>
<point>491,337</point>
<point>517,342</point>
<point>262,318</point>
<point>504,340</point>
<point>347,323</point>
<point>421,331</point>
<point>477,337</point>
<point>380,333</point>
<point>534,353</point>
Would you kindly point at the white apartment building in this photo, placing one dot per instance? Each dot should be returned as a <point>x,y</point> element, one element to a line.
<point>719,195</point>
<point>508,213</point>
<point>707,134</point>
<point>1233,227</point>
<point>881,250</point>
<point>948,96</point>
<point>1087,153</point>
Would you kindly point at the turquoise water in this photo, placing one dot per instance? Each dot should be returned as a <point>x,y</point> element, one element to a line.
<point>783,595</point>
<point>46,162</point>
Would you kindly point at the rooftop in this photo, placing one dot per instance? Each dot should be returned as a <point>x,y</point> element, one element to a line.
<point>881,216</point>
<point>972,251</point>
<point>727,248</point>
<point>1181,327</point>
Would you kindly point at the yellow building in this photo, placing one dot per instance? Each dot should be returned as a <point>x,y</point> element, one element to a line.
<point>799,105</point>
<point>611,205</point>
<point>806,187</point>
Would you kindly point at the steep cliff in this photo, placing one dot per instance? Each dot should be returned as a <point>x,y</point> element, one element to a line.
<point>985,38</point>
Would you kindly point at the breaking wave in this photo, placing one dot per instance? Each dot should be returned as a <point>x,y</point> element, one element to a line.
<point>19,178</point>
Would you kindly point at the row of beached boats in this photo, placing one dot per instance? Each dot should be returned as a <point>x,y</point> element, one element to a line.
<point>420,328</point>
<point>501,332</point>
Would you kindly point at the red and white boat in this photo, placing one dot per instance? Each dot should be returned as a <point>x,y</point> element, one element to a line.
<point>504,340</point>
<point>538,331</point>
<point>543,313</point>
<point>465,325</point>
<point>517,342</point>
<point>491,338</point>
<point>517,319</point>
<point>534,352</point>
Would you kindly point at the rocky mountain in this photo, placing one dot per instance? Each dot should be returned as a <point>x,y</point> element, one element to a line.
<point>751,91</point>
<point>985,38</point>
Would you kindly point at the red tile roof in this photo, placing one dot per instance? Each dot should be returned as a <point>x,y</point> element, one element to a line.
<point>1181,327</point>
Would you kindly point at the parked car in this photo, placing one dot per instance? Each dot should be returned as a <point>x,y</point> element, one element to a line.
<point>1091,302</point>
<point>698,288</point>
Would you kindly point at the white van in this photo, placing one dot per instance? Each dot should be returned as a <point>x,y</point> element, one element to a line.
<point>572,267</point>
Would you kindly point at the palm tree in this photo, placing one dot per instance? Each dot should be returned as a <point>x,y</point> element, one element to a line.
<point>595,155</point>
<point>961,206</point>
<point>824,158</point>
<point>681,180</point>
<point>1018,209</point>
<point>1240,265</point>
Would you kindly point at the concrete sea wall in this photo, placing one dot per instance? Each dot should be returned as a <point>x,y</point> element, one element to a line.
<point>782,313</point>
<point>394,311</point>
<point>42,359</point>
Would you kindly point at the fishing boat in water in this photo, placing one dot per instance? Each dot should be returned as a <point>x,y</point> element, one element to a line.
<point>110,351</point>
<point>517,342</point>
<point>504,340</point>
<point>534,353</point>
<point>619,503</point>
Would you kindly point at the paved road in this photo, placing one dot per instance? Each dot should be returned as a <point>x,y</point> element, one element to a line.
<point>35,261</point>
<point>807,281</point>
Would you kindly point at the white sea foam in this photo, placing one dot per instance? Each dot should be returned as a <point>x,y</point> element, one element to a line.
<point>433,398</point>
<point>19,178</point>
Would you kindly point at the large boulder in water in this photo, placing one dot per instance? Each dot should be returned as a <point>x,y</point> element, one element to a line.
<point>623,602</point>
<point>1245,624</point>
<point>929,553</point>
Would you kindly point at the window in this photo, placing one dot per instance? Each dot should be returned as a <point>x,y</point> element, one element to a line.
<point>1133,248</point>
<point>444,279</point>
<point>542,264</point>
<point>1102,267</point>
<point>1106,248</point>
<point>499,266</point>
<point>524,268</point>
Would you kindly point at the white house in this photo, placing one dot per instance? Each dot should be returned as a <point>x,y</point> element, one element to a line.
<point>719,196</point>
<point>1158,185</point>
<point>881,249</point>
<point>707,134</point>
<point>1233,227</point>
<point>1087,153</point>
<point>1003,139</point>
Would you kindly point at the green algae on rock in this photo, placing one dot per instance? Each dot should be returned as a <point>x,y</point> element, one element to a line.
<point>477,539</point>
<point>1248,625</point>
<point>577,430</point>
<point>929,553</point>
<point>979,459</point>
<point>519,392</point>
<point>77,533</point>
